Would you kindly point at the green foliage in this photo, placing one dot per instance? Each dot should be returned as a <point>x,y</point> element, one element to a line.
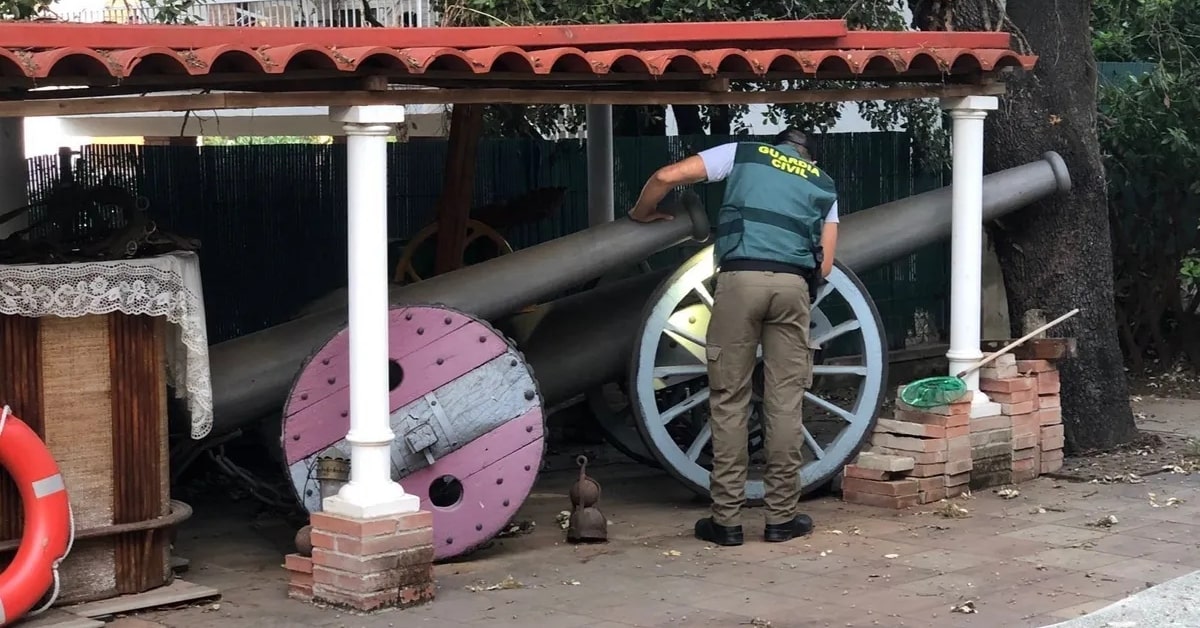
<point>215,140</point>
<point>158,11</point>
<point>1150,137</point>
<point>923,116</point>
<point>22,9</point>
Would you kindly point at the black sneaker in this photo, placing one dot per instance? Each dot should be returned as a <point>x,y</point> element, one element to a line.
<point>801,525</point>
<point>707,530</point>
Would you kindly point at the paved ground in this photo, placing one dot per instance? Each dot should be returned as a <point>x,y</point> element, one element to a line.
<point>1032,560</point>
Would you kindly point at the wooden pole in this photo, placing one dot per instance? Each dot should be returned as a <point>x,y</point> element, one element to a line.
<point>458,185</point>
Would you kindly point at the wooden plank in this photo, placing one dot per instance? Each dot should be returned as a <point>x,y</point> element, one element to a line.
<point>57,618</point>
<point>458,186</point>
<point>178,592</point>
<point>1037,349</point>
<point>251,100</point>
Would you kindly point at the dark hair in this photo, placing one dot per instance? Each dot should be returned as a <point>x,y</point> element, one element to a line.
<point>795,138</point>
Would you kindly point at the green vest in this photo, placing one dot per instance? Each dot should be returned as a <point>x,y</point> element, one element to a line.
<point>774,207</point>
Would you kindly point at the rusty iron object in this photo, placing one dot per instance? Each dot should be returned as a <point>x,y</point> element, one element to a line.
<point>586,523</point>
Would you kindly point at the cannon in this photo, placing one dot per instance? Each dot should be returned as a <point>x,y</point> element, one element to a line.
<point>474,365</point>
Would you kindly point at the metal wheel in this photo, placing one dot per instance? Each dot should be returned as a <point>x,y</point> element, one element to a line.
<point>406,269</point>
<point>670,388</point>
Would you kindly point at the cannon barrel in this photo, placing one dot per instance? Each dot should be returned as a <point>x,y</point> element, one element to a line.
<point>585,340</point>
<point>251,374</point>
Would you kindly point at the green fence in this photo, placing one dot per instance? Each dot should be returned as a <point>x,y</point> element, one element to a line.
<point>272,217</point>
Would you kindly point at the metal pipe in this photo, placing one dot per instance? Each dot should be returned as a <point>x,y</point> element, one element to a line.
<point>600,164</point>
<point>586,340</point>
<point>252,374</point>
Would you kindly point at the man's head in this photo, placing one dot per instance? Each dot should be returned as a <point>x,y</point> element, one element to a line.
<point>795,138</point>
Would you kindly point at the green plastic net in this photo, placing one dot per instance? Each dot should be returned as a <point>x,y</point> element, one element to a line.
<point>933,391</point>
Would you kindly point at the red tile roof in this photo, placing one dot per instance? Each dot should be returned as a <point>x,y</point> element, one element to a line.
<point>97,54</point>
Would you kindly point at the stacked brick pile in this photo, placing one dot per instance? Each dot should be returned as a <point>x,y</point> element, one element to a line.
<point>920,456</point>
<point>366,564</point>
<point>1028,391</point>
<point>923,455</point>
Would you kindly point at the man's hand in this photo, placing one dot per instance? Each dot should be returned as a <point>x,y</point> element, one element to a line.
<point>648,215</point>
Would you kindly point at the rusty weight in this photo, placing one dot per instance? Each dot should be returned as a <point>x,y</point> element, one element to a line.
<point>586,523</point>
<point>585,492</point>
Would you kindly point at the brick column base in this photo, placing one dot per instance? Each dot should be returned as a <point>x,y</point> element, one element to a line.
<point>366,564</point>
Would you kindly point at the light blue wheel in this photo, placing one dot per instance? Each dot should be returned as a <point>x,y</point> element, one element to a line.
<point>670,389</point>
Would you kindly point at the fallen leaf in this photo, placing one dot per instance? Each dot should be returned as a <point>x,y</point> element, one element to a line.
<point>672,553</point>
<point>891,556</point>
<point>967,607</point>
<point>1008,493</point>
<point>508,582</point>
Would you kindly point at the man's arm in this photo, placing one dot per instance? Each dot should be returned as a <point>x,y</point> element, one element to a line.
<point>829,236</point>
<point>713,164</point>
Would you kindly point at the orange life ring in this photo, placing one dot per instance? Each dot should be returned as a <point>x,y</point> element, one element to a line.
<point>49,528</point>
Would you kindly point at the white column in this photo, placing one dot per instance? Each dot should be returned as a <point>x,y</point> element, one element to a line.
<point>966,247</point>
<point>600,164</point>
<point>370,492</point>
<point>14,173</point>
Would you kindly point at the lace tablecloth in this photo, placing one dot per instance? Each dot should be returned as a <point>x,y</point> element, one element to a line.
<point>167,285</point>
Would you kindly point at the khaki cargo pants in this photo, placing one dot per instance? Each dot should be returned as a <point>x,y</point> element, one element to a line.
<point>749,308</point>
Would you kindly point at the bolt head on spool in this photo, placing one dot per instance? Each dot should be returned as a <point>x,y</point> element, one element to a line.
<point>467,417</point>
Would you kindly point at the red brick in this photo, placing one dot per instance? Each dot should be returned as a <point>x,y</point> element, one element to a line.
<point>1034,366</point>
<point>955,491</point>
<point>1025,424</point>
<point>930,483</point>
<point>1049,401</point>
<point>1051,466</point>
<point>909,428</point>
<point>907,443</point>
<point>1024,475</point>
<point>958,479</point>
<point>958,467</point>
<point>984,424</point>
<point>1008,371</point>
<point>374,545</point>
<point>933,457</point>
<point>991,437</point>
<point>959,446</point>
<point>366,528</point>
<point>1030,464</point>
<point>1048,383</point>
<point>880,501</point>
<point>373,563</point>
<point>1025,442</point>
<point>1053,454</point>
<point>1018,397</point>
<point>855,471</point>
<point>875,487</point>
<point>1054,442</point>
<point>1018,384</point>
<point>301,579</point>
<point>297,563</point>
<point>300,592</point>
<point>932,495</point>
<point>930,418</point>
<point>1049,416</point>
<point>1052,431</point>
<point>1023,407</point>
<point>377,581</point>
<point>399,598</point>
<point>1027,453</point>
<point>928,470</point>
<point>958,431</point>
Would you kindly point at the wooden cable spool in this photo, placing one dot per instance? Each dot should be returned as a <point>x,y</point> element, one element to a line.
<point>406,271</point>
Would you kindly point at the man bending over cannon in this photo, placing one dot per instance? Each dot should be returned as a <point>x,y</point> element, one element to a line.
<point>776,236</point>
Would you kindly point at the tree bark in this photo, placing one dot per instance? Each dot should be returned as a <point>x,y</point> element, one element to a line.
<point>1056,254</point>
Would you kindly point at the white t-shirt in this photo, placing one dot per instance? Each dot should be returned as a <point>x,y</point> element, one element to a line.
<point>718,163</point>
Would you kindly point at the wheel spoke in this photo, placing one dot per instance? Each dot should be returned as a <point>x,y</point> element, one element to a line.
<point>822,292</point>
<point>701,291</point>
<point>835,369</point>
<point>705,435</point>
<point>812,444</point>
<point>837,330</point>
<point>845,414</point>
<point>680,371</point>
<point>690,402</point>
<point>684,334</point>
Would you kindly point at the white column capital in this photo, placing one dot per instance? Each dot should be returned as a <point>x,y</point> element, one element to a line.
<point>970,106</point>
<point>368,115</point>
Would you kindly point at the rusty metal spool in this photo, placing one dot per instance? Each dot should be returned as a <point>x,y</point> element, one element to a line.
<point>406,270</point>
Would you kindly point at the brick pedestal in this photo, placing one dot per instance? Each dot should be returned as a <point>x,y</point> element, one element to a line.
<point>924,455</point>
<point>367,564</point>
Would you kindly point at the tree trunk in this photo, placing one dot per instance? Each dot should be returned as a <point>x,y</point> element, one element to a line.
<point>720,120</point>
<point>1056,254</point>
<point>688,120</point>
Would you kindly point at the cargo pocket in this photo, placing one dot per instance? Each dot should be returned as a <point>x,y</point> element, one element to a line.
<point>717,380</point>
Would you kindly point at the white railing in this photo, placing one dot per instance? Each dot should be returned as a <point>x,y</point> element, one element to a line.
<point>306,13</point>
